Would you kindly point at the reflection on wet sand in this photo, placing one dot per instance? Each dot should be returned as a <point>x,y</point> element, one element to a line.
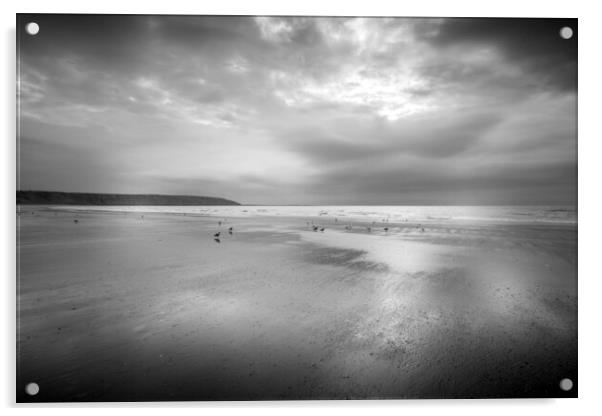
<point>116,308</point>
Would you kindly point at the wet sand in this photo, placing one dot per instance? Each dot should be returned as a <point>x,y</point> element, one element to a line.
<point>117,307</point>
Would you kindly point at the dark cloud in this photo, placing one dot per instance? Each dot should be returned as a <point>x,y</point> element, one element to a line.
<point>434,138</point>
<point>102,42</point>
<point>532,44</point>
<point>412,182</point>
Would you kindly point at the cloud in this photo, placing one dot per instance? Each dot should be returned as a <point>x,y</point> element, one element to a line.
<point>435,137</point>
<point>300,110</point>
<point>532,45</point>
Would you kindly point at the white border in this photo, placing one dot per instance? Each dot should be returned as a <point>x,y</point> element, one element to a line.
<point>590,191</point>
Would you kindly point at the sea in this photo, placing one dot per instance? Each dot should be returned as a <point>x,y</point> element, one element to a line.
<point>385,213</point>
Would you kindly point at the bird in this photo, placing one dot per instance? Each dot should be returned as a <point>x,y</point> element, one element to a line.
<point>369,229</point>
<point>216,235</point>
<point>216,240</point>
<point>315,227</point>
<point>230,230</point>
<point>219,223</point>
<point>75,221</point>
<point>322,229</point>
<point>386,229</point>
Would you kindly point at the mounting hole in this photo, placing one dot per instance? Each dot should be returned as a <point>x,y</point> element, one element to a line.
<point>566,32</point>
<point>32,28</point>
<point>32,389</point>
<point>566,384</point>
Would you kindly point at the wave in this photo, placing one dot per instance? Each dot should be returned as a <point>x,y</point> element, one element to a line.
<point>392,214</point>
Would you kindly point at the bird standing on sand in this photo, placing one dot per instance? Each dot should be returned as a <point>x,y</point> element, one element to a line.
<point>386,229</point>
<point>230,230</point>
<point>219,223</point>
<point>322,229</point>
<point>75,221</point>
<point>315,227</point>
<point>216,235</point>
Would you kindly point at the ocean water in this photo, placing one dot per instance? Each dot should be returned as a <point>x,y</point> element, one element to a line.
<point>385,213</point>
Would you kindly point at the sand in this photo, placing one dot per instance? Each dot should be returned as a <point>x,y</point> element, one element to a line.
<point>117,307</point>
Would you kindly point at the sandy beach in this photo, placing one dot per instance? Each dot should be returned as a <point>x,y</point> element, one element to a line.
<point>130,306</point>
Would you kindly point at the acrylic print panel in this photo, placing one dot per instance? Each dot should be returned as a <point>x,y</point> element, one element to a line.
<point>266,208</point>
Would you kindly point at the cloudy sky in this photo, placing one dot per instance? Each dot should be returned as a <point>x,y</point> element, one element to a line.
<point>271,110</point>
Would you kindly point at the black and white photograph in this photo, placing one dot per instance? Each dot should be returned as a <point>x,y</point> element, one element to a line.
<point>274,207</point>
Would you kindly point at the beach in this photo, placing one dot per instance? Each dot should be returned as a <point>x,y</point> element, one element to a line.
<point>125,305</point>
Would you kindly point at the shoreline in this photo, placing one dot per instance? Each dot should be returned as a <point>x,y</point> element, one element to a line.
<point>324,219</point>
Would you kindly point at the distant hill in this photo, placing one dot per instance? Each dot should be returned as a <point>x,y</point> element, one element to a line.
<point>76,198</point>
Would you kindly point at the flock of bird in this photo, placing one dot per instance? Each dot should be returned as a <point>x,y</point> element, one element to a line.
<point>349,227</point>
<point>314,227</point>
<point>216,236</point>
<point>311,224</point>
<point>318,228</point>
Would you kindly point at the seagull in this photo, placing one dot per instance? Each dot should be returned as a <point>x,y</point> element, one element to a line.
<point>230,230</point>
<point>322,229</point>
<point>386,229</point>
<point>315,228</point>
<point>75,221</point>
<point>216,235</point>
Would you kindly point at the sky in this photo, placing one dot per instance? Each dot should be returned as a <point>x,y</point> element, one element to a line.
<point>300,110</point>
